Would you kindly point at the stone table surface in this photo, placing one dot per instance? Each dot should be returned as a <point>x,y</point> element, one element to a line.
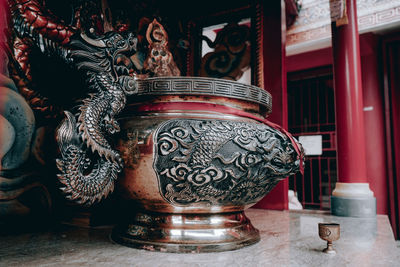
<point>287,239</point>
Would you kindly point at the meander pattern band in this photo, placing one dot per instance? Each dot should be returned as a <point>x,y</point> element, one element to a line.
<point>204,86</point>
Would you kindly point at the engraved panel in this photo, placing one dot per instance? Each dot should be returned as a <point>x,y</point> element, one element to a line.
<point>220,162</point>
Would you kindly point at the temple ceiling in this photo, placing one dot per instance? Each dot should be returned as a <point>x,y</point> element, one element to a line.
<point>312,28</point>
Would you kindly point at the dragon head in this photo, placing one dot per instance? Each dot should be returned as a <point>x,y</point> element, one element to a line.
<point>109,54</point>
<point>120,47</point>
<point>282,158</point>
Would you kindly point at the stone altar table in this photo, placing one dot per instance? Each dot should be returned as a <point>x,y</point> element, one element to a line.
<point>287,239</point>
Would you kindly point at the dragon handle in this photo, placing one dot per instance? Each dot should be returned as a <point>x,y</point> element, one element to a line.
<point>88,163</point>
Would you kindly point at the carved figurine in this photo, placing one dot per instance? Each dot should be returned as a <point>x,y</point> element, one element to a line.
<point>159,61</point>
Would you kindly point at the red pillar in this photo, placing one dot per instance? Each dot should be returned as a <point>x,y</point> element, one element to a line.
<point>349,100</point>
<point>351,157</point>
<point>274,34</point>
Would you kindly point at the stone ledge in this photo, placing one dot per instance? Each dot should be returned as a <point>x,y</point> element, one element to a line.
<point>287,239</point>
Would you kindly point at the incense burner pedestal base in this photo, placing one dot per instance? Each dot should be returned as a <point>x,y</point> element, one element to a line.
<point>187,233</point>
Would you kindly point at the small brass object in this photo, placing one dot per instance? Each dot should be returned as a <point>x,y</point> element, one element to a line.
<point>329,232</point>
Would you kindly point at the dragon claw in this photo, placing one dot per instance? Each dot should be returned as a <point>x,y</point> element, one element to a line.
<point>115,126</point>
<point>120,163</point>
<point>111,125</point>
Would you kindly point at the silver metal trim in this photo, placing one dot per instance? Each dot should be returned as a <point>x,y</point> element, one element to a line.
<point>204,86</point>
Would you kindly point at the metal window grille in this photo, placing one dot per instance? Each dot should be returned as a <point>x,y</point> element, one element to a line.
<point>311,111</point>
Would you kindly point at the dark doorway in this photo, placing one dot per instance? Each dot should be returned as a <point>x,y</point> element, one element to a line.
<point>311,111</point>
<point>391,67</point>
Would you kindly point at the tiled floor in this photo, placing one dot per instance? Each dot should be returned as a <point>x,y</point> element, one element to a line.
<point>287,239</point>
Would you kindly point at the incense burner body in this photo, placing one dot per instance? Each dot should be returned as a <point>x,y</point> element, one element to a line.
<point>194,161</point>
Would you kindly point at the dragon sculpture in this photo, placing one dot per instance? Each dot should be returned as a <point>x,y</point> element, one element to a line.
<point>83,137</point>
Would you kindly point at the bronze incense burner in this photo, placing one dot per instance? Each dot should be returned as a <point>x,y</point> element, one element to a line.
<point>197,153</point>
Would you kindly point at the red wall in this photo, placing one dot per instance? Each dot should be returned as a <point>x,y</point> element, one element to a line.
<point>373,116</point>
<point>309,60</point>
<point>374,121</point>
